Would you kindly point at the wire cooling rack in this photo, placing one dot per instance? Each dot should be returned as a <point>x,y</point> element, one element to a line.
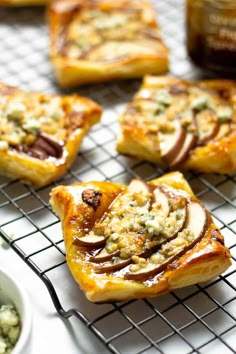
<point>197,319</point>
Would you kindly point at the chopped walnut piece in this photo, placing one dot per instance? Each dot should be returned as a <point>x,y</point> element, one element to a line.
<point>92,198</point>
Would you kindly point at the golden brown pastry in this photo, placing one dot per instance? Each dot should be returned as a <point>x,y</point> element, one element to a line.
<point>136,241</point>
<point>184,125</point>
<point>40,134</point>
<point>100,40</point>
<point>24,2</point>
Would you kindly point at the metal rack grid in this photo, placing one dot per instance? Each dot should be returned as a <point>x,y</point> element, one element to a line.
<point>197,319</point>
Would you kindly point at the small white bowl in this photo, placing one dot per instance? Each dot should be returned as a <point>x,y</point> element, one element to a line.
<point>11,292</point>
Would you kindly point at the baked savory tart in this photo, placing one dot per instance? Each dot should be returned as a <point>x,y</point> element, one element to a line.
<point>24,2</point>
<point>40,134</point>
<point>138,241</point>
<point>184,125</point>
<point>100,40</point>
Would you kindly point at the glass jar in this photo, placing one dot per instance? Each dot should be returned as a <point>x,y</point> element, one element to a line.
<point>211,34</point>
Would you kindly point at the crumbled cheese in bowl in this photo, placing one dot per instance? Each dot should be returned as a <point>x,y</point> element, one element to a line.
<point>9,328</point>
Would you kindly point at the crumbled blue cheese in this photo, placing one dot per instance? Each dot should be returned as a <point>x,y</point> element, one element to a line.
<point>22,117</point>
<point>15,110</point>
<point>154,225</point>
<point>131,227</point>
<point>201,102</point>
<point>163,98</point>
<point>225,114</point>
<point>9,328</point>
<point>173,247</point>
<point>32,125</point>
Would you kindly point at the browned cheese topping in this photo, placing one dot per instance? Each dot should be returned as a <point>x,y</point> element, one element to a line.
<point>145,229</point>
<point>37,125</point>
<point>180,118</point>
<point>97,34</point>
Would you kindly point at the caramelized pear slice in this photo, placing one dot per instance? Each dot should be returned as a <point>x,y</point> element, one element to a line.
<point>103,256</point>
<point>196,220</point>
<point>159,197</point>
<point>113,267</point>
<point>171,143</point>
<point>90,240</point>
<point>207,125</point>
<point>135,187</point>
<point>189,143</point>
<point>147,252</point>
<point>170,251</point>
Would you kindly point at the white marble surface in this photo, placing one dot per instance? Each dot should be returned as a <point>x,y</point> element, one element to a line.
<point>50,334</point>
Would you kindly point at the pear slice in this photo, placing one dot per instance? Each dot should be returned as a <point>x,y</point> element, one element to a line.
<point>113,267</point>
<point>103,256</point>
<point>189,143</point>
<point>135,187</point>
<point>171,143</point>
<point>155,244</point>
<point>90,240</point>
<point>159,197</point>
<point>170,251</point>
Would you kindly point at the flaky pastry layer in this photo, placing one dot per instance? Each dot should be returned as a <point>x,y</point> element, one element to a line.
<point>95,41</point>
<point>40,134</point>
<point>203,112</point>
<point>205,260</point>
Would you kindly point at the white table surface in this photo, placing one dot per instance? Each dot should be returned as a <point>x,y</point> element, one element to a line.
<point>50,334</point>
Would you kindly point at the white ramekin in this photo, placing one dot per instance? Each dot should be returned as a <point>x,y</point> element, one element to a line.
<point>12,292</point>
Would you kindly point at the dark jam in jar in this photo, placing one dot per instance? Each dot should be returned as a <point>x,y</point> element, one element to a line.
<point>211,34</point>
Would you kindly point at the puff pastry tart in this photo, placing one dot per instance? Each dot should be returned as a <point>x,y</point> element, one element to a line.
<point>40,134</point>
<point>184,125</point>
<point>24,2</point>
<point>100,40</point>
<point>140,240</point>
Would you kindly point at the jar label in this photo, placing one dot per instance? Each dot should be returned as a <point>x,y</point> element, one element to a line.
<point>219,26</point>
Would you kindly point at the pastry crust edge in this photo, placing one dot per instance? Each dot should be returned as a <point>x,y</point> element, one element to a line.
<point>215,157</point>
<point>41,172</point>
<point>71,73</point>
<point>206,260</point>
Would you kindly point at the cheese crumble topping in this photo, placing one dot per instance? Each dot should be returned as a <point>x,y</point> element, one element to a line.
<point>197,110</point>
<point>23,117</point>
<point>135,223</point>
<point>9,328</point>
<point>102,35</point>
